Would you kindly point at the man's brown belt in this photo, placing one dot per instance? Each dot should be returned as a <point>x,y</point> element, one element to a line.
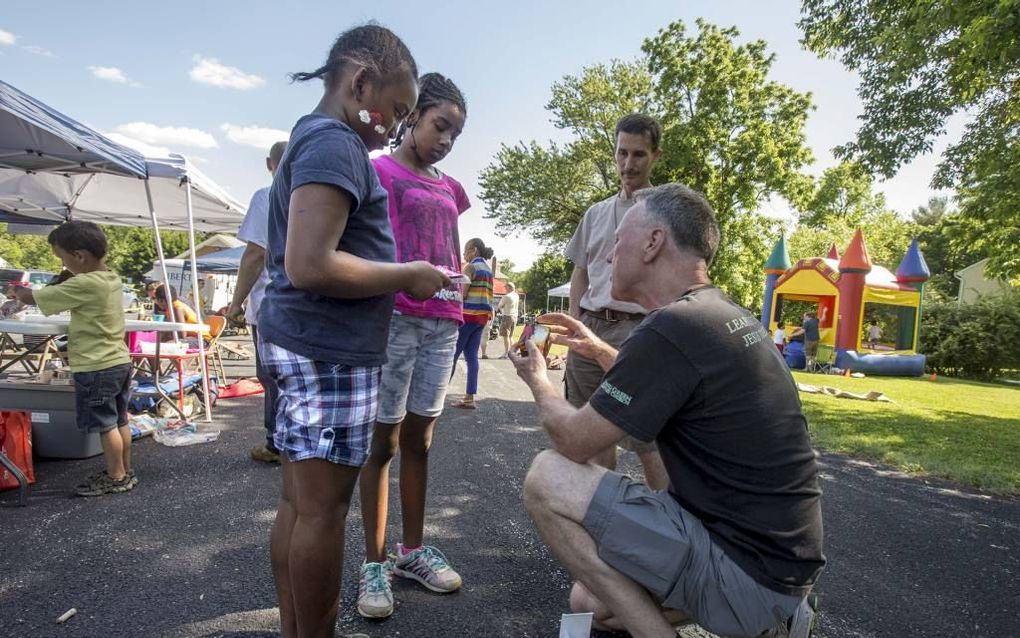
<point>608,314</point>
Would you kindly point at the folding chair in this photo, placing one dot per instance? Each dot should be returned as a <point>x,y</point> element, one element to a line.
<point>216,324</point>
<point>825,360</point>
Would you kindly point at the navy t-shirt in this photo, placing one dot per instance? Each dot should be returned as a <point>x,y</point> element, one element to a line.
<point>724,410</point>
<point>351,332</point>
<point>810,329</point>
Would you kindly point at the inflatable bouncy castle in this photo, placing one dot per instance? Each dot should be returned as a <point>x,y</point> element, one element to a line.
<point>843,291</point>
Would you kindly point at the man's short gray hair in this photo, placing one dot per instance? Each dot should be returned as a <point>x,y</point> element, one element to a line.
<point>686,214</point>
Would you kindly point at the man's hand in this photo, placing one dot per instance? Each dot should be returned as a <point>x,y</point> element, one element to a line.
<point>567,331</point>
<point>424,280</point>
<point>235,315</point>
<point>531,368</point>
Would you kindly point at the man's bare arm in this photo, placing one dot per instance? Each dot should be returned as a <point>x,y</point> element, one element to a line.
<point>578,286</point>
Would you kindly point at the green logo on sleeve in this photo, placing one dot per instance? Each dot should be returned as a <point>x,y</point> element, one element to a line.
<point>616,393</point>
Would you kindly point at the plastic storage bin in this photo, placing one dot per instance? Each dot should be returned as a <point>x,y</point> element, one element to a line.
<point>54,431</point>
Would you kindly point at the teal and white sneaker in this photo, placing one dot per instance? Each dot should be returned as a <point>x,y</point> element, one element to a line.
<point>428,566</point>
<point>375,596</point>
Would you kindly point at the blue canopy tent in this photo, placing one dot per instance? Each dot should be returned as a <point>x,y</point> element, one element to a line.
<point>221,261</point>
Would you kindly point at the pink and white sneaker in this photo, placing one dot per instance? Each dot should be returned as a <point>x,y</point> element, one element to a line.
<point>428,566</point>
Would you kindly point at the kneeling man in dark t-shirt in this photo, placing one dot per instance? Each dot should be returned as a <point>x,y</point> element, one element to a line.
<point>735,543</point>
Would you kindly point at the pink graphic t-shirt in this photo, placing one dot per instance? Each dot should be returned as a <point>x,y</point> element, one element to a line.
<point>423,213</point>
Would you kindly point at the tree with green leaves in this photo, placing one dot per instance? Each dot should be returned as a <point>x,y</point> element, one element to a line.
<point>945,244</point>
<point>845,199</point>
<point>844,196</point>
<point>886,234</point>
<point>132,251</point>
<point>29,252</point>
<point>728,131</point>
<point>920,62</point>
<point>550,270</point>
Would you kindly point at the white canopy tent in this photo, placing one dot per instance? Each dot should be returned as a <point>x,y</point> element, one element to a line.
<point>53,169</point>
<point>563,290</point>
<point>120,200</point>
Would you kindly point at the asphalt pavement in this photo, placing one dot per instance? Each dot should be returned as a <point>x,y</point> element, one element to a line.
<point>186,553</point>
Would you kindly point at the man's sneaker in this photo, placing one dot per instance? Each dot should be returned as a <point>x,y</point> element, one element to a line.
<point>103,484</point>
<point>264,454</point>
<point>801,624</point>
<point>428,566</point>
<point>375,597</point>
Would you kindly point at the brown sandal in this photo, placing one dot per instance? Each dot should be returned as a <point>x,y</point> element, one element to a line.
<point>464,404</point>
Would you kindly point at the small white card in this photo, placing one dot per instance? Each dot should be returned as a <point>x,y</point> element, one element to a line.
<point>576,625</point>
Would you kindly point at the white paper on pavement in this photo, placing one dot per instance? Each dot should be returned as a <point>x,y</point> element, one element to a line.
<point>576,625</point>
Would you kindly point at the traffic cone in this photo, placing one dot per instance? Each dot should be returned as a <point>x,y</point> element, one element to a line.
<point>933,376</point>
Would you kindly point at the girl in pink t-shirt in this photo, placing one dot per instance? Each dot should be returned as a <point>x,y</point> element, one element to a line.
<point>424,208</point>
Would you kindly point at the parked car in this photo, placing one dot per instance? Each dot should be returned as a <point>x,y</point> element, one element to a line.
<point>34,278</point>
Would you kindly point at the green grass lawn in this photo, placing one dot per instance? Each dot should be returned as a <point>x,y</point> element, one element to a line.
<point>964,431</point>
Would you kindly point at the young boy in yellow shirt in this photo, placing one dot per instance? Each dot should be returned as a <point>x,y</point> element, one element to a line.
<point>98,354</point>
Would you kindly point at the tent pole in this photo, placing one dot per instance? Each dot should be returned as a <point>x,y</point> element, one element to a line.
<point>159,252</point>
<point>198,301</point>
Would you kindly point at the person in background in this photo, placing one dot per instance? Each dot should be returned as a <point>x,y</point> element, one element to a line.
<point>98,353</point>
<point>324,322</point>
<point>162,299</point>
<point>874,334</point>
<point>425,205</point>
<point>779,337</point>
<point>809,331</point>
<point>635,154</point>
<point>508,307</point>
<point>209,287</point>
<point>252,279</point>
<point>477,315</point>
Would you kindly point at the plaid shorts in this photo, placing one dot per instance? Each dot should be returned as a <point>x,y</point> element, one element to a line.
<point>323,410</point>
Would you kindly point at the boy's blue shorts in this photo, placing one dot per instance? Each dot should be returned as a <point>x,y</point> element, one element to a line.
<point>101,398</point>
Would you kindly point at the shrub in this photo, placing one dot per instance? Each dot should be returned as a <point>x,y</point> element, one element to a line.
<point>979,340</point>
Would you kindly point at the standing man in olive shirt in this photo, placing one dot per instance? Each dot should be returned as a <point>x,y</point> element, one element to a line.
<point>736,542</point>
<point>591,299</point>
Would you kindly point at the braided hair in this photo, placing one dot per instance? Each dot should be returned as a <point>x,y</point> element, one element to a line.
<point>433,89</point>
<point>371,46</point>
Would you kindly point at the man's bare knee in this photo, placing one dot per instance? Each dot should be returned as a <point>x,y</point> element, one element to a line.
<point>557,484</point>
<point>538,480</point>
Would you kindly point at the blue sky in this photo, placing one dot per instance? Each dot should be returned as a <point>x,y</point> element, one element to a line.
<point>209,79</point>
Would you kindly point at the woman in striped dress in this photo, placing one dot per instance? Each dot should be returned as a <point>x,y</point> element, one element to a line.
<point>477,312</point>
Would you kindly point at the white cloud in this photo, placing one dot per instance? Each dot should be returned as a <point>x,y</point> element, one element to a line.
<point>255,136</point>
<point>112,74</point>
<point>8,38</point>
<point>211,71</point>
<point>38,50</point>
<point>172,136</point>
<point>145,149</point>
